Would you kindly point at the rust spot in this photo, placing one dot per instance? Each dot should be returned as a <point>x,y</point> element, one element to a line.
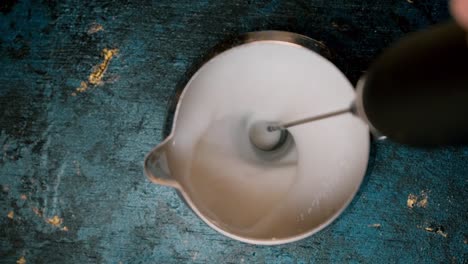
<point>65,229</point>
<point>23,197</point>
<point>11,214</point>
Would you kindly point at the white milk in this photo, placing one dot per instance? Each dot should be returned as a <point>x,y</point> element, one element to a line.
<point>212,158</point>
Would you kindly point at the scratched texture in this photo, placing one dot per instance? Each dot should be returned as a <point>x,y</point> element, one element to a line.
<point>76,155</point>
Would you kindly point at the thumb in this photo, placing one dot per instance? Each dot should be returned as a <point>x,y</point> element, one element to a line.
<point>459,9</point>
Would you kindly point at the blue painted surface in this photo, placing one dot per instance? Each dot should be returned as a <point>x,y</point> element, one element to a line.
<point>80,157</point>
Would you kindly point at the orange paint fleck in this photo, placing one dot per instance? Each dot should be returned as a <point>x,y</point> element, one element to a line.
<point>412,199</point>
<point>419,201</point>
<point>83,87</point>
<point>11,214</point>
<point>436,230</point>
<point>442,233</point>
<point>55,221</point>
<point>96,76</point>
<point>21,260</point>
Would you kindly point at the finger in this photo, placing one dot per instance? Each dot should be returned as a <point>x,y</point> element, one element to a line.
<point>459,9</point>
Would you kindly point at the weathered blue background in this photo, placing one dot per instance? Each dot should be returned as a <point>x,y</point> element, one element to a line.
<point>80,157</point>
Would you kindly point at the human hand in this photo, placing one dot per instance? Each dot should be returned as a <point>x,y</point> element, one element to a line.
<point>459,9</point>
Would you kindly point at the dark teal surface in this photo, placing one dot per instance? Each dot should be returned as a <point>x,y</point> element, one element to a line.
<point>80,157</point>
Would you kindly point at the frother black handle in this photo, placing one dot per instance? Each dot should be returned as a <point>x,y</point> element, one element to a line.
<point>416,92</point>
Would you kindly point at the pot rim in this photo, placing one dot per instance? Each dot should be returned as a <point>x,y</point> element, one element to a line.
<point>258,36</point>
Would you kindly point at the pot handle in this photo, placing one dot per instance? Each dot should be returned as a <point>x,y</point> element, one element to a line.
<point>416,92</point>
<point>156,167</point>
